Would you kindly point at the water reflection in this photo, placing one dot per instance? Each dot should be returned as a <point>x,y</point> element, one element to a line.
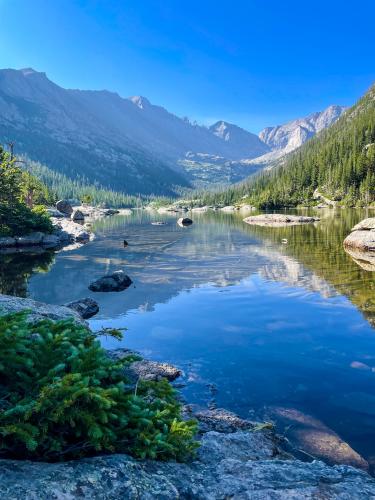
<point>273,325</point>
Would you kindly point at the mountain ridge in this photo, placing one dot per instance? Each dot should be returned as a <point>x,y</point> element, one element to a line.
<point>128,144</point>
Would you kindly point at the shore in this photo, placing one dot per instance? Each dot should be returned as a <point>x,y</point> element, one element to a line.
<point>237,458</point>
<point>67,233</point>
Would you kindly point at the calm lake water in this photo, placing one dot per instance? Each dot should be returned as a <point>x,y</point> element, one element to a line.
<point>258,326</point>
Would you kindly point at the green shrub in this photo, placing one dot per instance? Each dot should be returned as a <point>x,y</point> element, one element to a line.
<point>61,397</point>
<point>19,219</point>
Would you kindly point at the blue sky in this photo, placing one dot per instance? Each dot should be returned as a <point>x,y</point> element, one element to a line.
<point>255,63</point>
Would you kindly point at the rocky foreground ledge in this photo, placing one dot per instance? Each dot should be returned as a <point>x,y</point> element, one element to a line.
<point>279,220</point>
<point>237,458</point>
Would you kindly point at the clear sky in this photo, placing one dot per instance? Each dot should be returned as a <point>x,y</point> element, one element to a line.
<point>255,63</point>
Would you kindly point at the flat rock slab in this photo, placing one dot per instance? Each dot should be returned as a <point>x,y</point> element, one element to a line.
<point>362,236</point>
<point>279,220</point>
<point>242,465</point>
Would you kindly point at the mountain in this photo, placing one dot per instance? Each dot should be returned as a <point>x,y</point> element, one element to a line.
<point>337,164</point>
<point>284,139</point>
<point>293,134</point>
<point>130,144</point>
<point>243,143</point>
<point>61,129</point>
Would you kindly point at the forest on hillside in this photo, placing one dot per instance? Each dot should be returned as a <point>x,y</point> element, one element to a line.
<point>339,162</point>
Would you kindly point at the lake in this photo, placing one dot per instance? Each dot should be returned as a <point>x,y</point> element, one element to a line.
<point>270,330</point>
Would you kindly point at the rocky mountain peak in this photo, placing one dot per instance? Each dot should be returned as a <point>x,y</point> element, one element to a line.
<point>140,101</point>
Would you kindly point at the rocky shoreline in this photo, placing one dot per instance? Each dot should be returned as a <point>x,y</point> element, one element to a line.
<point>71,229</point>
<point>237,458</point>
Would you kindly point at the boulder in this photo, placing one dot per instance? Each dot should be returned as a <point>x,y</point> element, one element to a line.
<point>64,207</point>
<point>279,220</point>
<point>86,308</point>
<point>68,230</point>
<point>115,282</point>
<point>77,215</point>
<point>38,310</point>
<point>53,212</point>
<point>145,369</point>
<point>229,208</point>
<point>31,239</point>
<point>50,241</point>
<point>184,221</point>
<point>362,236</point>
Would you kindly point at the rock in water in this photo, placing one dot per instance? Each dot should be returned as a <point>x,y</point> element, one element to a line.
<point>184,221</point>
<point>86,308</point>
<point>362,236</point>
<point>64,207</point>
<point>279,220</point>
<point>115,282</point>
<point>78,215</point>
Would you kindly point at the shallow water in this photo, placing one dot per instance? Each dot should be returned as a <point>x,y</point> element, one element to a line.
<point>257,325</point>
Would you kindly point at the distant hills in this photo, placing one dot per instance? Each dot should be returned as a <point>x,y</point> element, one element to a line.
<point>132,145</point>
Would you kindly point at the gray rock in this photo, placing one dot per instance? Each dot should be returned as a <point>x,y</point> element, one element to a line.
<point>64,207</point>
<point>146,369</point>
<point>50,240</point>
<point>30,239</point>
<point>7,241</point>
<point>38,310</point>
<point>184,221</point>
<point>77,215</point>
<point>53,212</point>
<point>219,420</point>
<point>115,282</point>
<point>241,465</point>
<point>69,231</point>
<point>362,236</point>
<point>86,308</point>
<point>279,220</point>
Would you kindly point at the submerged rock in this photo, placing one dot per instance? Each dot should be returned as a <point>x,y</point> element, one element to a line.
<point>315,438</point>
<point>242,465</point>
<point>86,308</point>
<point>279,220</point>
<point>115,282</point>
<point>362,236</point>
